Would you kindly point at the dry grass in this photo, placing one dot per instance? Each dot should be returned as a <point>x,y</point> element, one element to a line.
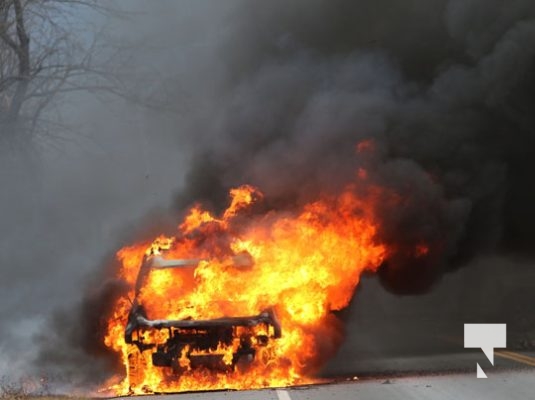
<point>30,389</point>
<point>38,397</point>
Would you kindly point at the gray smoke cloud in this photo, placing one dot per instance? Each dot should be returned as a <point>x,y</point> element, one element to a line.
<point>277,95</point>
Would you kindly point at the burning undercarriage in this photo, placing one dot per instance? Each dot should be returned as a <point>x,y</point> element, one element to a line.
<point>219,344</point>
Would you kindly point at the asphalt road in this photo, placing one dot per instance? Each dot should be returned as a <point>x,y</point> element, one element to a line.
<point>512,377</point>
<point>500,385</point>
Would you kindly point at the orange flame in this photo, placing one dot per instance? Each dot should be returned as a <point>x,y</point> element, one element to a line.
<point>304,264</point>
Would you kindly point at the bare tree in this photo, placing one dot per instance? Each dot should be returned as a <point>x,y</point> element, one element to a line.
<point>44,54</point>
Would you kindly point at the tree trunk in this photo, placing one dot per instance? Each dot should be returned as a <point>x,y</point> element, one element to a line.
<point>23,55</point>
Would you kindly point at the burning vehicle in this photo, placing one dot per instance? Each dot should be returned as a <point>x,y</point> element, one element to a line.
<point>195,343</point>
<point>242,299</point>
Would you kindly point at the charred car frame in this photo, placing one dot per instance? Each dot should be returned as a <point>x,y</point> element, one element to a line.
<point>196,340</point>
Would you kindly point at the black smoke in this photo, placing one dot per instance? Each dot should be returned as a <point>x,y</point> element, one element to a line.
<point>444,89</point>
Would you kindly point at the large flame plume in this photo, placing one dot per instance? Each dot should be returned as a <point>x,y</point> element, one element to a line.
<point>305,264</point>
